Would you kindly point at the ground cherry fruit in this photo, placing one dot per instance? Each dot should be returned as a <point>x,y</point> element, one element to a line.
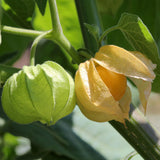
<point>116,83</point>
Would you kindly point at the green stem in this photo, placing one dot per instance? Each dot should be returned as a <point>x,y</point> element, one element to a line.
<point>85,10</point>
<point>63,42</point>
<point>55,17</point>
<point>104,34</point>
<point>57,33</point>
<point>21,31</point>
<point>34,46</point>
<point>138,132</point>
<point>140,135</point>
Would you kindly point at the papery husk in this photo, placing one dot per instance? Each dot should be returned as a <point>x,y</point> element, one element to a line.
<point>42,93</point>
<point>94,97</point>
<point>121,61</point>
<point>144,88</point>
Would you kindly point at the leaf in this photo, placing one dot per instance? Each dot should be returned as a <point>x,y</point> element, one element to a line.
<point>93,30</point>
<point>41,5</point>
<point>9,144</point>
<point>101,136</point>
<point>21,11</point>
<point>109,6</point>
<point>68,18</point>
<point>6,72</point>
<point>139,36</point>
<point>12,46</point>
<point>59,139</point>
<point>0,22</point>
<point>46,156</point>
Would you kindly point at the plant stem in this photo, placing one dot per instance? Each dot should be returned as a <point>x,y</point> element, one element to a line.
<point>55,17</point>
<point>34,46</point>
<point>138,132</point>
<point>104,34</point>
<point>57,33</point>
<point>140,135</point>
<point>63,42</point>
<point>85,10</point>
<point>21,31</point>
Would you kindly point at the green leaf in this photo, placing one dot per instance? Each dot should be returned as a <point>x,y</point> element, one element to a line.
<point>109,6</point>
<point>21,11</point>
<point>9,144</point>
<point>68,19</point>
<point>0,22</point>
<point>101,136</point>
<point>59,139</point>
<point>12,46</point>
<point>6,72</point>
<point>93,30</point>
<point>139,36</point>
<point>41,5</point>
<point>46,156</point>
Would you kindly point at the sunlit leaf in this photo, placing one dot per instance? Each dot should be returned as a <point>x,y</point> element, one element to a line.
<point>68,19</point>
<point>41,5</point>
<point>138,35</point>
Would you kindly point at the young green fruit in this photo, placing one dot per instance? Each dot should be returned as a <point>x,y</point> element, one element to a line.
<point>39,93</point>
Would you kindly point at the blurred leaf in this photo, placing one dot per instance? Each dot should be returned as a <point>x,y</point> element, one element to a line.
<point>109,6</point>
<point>0,21</point>
<point>6,72</point>
<point>101,136</point>
<point>93,30</point>
<point>156,84</point>
<point>12,46</point>
<point>68,19</point>
<point>9,144</point>
<point>139,36</point>
<point>59,139</point>
<point>43,156</point>
<point>21,11</point>
<point>41,5</point>
<point>51,156</point>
